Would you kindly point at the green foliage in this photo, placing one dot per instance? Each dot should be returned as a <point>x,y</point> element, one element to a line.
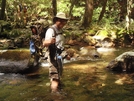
<point>108,25</point>
<point>96,14</point>
<point>15,33</point>
<point>33,7</point>
<point>78,11</point>
<point>42,8</point>
<point>63,6</point>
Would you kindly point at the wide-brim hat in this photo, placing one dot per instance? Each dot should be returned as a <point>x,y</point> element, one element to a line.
<point>61,15</point>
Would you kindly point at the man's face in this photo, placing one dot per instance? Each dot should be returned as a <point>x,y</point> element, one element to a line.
<point>62,23</point>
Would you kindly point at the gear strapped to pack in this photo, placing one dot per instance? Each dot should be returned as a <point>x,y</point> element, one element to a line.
<point>37,37</point>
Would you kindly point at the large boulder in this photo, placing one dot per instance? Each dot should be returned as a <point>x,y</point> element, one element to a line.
<point>123,63</point>
<point>17,61</point>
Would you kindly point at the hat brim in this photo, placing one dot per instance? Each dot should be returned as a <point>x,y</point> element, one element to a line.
<point>61,18</point>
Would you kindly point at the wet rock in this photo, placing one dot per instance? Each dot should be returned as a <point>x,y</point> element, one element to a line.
<point>123,63</point>
<point>17,61</point>
<point>89,40</point>
<point>89,51</point>
<point>107,42</point>
<point>6,43</point>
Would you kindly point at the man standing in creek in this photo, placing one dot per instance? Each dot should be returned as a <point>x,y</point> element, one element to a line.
<point>54,40</point>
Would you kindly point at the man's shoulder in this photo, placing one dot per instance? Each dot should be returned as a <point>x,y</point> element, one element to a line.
<point>50,29</point>
<point>50,32</point>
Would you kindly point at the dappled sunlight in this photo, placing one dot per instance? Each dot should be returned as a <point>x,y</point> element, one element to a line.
<point>84,64</point>
<point>86,68</point>
<point>120,81</point>
<point>124,79</point>
<point>103,77</point>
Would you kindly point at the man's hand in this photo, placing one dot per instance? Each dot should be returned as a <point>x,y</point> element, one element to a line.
<point>46,43</point>
<point>53,40</point>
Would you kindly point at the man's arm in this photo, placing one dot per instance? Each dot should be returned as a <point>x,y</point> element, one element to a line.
<point>49,39</point>
<point>48,42</point>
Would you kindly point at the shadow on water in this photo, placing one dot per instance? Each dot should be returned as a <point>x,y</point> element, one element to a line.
<point>81,81</point>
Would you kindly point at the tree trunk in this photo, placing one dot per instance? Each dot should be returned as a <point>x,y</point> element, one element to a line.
<point>129,8</point>
<point>123,9</point>
<point>104,3</point>
<point>54,4</point>
<point>3,6</point>
<point>88,13</point>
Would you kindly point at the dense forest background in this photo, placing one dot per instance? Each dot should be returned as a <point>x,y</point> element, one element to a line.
<point>111,18</point>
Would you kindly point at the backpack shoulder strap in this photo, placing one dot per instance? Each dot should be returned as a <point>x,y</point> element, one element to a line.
<point>53,30</point>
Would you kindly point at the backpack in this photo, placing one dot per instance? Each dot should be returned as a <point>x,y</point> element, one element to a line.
<point>38,35</point>
<point>38,30</point>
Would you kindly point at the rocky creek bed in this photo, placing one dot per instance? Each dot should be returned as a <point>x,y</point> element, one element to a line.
<point>82,80</point>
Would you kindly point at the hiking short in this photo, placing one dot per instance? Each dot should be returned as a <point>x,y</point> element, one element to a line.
<point>53,73</point>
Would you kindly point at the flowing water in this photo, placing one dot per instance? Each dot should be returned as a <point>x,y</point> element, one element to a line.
<point>83,80</point>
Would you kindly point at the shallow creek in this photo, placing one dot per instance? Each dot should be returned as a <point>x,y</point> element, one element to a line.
<point>82,80</point>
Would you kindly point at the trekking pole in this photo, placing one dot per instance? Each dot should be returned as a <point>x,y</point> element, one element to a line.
<point>60,65</point>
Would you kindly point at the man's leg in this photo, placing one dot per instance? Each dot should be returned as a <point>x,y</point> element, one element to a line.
<point>54,79</point>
